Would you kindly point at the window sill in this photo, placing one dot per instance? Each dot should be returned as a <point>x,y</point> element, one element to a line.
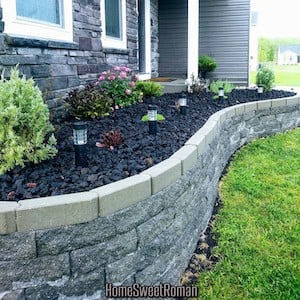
<point>116,51</point>
<point>38,43</point>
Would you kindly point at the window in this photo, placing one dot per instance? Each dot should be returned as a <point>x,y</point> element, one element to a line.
<point>48,19</point>
<point>113,17</point>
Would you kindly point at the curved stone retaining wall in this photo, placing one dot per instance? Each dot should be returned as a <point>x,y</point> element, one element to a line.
<point>141,229</point>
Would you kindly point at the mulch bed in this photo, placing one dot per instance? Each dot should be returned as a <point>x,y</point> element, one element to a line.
<point>138,152</point>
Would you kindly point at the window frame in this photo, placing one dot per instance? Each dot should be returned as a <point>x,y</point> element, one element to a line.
<point>33,28</point>
<point>110,42</point>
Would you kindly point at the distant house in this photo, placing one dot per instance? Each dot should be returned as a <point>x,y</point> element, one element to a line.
<point>289,55</point>
<point>64,44</point>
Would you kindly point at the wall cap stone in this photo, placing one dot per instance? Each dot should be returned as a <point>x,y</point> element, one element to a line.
<point>8,217</point>
<point>123,193</point>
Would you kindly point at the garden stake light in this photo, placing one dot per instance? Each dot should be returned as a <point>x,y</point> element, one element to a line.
<point>183,104</point>
<point>80,143</point>
<point>221,93</point>
<point>260,90</point>
<point>152,119</point>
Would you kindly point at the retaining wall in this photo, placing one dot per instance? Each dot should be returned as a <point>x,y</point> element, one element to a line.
<point>141,229</point>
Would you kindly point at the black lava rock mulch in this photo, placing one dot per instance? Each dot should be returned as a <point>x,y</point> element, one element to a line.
<point>138,152</point>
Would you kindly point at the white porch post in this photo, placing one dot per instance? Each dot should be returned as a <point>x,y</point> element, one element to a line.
<point>193,37</point>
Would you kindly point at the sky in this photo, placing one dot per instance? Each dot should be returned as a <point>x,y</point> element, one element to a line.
<point>278,18</point>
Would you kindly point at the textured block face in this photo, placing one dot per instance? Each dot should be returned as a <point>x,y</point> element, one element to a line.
<point>123,193</point>
<point>56,211</point>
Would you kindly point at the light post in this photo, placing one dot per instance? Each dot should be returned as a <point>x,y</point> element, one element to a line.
<point>152,119</point>
<point>80,143</point>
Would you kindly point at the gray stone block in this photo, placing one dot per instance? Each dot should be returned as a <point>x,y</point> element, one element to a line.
<point>90,259</point>
<point>72,237</point>
<point>17,246</point>
<point>24,273</point>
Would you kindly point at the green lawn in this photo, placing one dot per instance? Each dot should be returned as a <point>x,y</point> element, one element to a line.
<point>258,227</point>
<point>284,75</point>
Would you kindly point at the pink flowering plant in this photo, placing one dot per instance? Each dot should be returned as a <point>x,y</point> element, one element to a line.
<point>119,84</point>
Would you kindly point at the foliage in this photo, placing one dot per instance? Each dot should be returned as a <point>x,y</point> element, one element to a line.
<point>206,64</point>
<point>216,84</point>
<point>149,88</point>
<point>119,84</point>
<point>196,85</point>
<point>110,139</point>
<point>267,50</point>
<point>265,77</point>
<point>25,129</point>
<point>89,102</point>
<point>160,118</point>
<point>257,227</point>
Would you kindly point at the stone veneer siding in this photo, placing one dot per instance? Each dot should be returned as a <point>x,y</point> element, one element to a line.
<point>59,67</point>
<point>142,229</point>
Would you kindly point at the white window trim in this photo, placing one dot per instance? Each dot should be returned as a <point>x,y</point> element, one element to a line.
<point>35,29</point>
<point>109,42</point>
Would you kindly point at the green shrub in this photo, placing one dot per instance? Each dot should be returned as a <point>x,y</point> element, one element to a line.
<point>206,64</point>
<point>265,77</point>
<point>119,84</point>
<point>149,88</point>
<point>89,102</point>
<point>25,129</point>
<point>216,84</point>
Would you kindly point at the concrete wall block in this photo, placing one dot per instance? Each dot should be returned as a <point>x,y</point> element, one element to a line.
<point>63,70</point>
<point>278,102</point>
<point>164,174</point>
<point>293,101</point>
<point>14,246</point>
<point>264,105</point>
<point>56,211</point>
<point>123,193</point>
<point>188,156</point>
<point>90,259</point>
<point>20,274</point>
<point>251,106</point>
<point>198,140</point>
<point>8,217</point>
<point>153,227</point>
<point>72,237</point>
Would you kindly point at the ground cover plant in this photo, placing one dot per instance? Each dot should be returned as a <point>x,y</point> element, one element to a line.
<point>257,228</point>
<point>128,151</point>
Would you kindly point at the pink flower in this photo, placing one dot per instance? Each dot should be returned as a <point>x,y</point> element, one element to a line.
<point>123,75</point>
<point>102,77</point>
<point>112,77</point>
<point>128,92</point>
<point>136,77</point>
<point>117,68</point>
<point>132,83</point>
<point>104,73</point>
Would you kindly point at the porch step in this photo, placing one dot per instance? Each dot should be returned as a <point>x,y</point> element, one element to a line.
<point>175,86</point>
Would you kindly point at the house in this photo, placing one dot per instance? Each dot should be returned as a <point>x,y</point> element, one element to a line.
<point>65,44</point>
<point>289,54</point>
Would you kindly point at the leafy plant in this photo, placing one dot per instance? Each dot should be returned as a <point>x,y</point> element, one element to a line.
<point>265,77</point>
<point>149,88</point>
<point>110,139</point>
<point>215,85</point>
<point>25,130</point>
<point>89,102</point>
<point>160,118</point>
<point>196,85</point>
<point>206,64</point>
<point>119,84</point>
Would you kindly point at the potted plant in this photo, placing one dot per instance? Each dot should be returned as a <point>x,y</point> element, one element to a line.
<point>206,64</point>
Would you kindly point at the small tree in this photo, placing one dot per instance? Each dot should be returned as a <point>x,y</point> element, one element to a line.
<point>25,129</point>
<point>206,64</point>
<point>265,77</point>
